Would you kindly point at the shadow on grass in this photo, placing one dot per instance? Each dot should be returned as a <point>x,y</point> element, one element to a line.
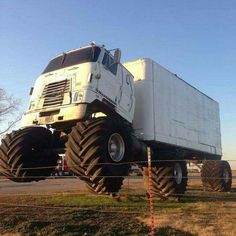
<point>233,190</point>
<point>210,197</point>
<point>168,231</point>
<point>72,222</point>
<point>188,198</point>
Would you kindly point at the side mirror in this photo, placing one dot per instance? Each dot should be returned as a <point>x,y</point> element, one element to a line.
<point>31,91</point>
<point>117,55</point>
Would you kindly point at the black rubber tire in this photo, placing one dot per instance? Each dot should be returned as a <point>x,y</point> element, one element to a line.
<point>213,176</point>
<point>21,155</point>
<point>87,154</point>
<point>164,184</point>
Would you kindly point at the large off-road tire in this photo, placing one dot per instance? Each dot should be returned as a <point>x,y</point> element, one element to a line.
<point>98,151</point>
<point>23,157</point>
<point>216,176</point>
<point>169,179</point>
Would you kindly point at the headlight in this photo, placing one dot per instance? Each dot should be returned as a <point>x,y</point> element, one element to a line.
<point>78,96</point>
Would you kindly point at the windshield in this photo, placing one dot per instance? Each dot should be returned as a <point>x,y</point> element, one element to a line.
<point>73,58</point>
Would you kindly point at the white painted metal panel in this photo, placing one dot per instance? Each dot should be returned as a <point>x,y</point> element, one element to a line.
<point>170,110</point>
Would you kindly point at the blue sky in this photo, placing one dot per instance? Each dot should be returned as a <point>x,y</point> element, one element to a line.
<point>194,39</point>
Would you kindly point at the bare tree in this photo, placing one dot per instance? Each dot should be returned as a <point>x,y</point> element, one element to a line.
<point>9,108</point>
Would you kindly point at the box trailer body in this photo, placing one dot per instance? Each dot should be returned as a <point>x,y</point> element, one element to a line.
<point>171,111</point>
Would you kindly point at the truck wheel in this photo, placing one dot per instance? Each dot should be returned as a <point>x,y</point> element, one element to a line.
<point>21,155</point>
<point>97,150</point>
<point>216,176</point>
<point>169,179</point>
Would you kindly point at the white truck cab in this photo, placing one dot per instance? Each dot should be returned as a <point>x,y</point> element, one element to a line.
<point>80,82</point>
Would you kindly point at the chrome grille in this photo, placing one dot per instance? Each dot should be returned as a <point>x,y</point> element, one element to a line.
<point>53,93</point>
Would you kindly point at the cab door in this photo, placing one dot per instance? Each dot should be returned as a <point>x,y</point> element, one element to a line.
<point>126,100</point>
<point>109,85</point>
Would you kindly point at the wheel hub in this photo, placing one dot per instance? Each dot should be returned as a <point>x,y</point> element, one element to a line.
<point>178,174</point>
<point>116,147</point>
<point>226,176</point>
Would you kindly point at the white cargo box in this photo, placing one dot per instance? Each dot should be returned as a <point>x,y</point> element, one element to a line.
<point>169,110</point>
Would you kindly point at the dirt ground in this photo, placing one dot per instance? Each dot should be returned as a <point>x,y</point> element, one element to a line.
<point>65,207</point>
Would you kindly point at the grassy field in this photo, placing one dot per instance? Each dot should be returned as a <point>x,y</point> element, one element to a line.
<point>198,213</point>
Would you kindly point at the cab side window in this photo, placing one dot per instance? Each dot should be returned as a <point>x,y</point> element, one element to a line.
<point>109,64</point>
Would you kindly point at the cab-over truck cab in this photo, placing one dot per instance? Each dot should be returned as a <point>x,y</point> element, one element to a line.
<point>79,83</point>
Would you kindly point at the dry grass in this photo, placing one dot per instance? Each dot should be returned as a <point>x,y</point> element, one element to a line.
<point>202,221</point>
<point>209,214</point>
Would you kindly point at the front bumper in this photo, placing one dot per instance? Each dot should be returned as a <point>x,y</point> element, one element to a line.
<point>56,115</point>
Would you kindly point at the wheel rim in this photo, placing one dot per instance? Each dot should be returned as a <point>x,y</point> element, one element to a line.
<point>178,174</point>
<point>226,176</point>
<point>116,147</point>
